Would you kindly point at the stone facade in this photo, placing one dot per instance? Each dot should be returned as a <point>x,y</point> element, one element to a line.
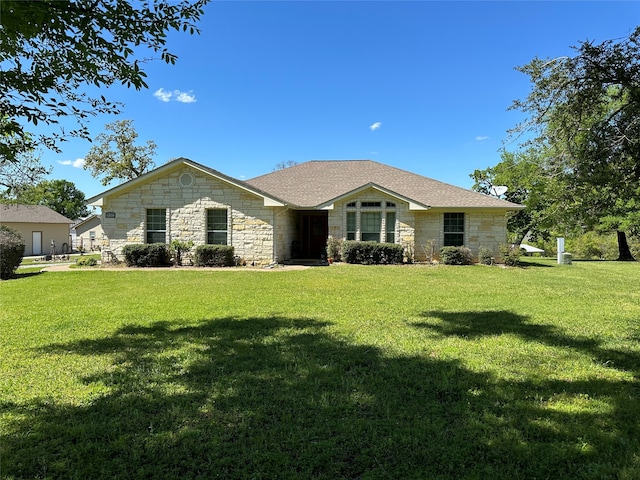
<point>263,229</point>
<point>186,195</point>
<point>482,228</point>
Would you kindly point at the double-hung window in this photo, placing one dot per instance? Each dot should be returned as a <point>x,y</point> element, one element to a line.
<point>453,229</point>
<point>351,225</point>
<point>390,227</point>
<point>217,226</point>
<point>370,226</point>
<point>156,225</point>
<point>372,221</point>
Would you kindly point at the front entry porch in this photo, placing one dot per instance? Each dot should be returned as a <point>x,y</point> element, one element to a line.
<point>312,229</point>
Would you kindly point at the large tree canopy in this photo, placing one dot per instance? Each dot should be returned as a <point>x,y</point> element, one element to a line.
<point>585,110</point>
<point>115,155</point>
<point>51,48</point>
<point>59,195</point>
<point>523,175</point>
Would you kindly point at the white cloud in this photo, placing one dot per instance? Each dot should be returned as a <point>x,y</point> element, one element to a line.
<point>481,138</point>
<point>375,126</point>
<point>162,94</point>
<point>184,97</point>
<point>176,95</point>
<point>77,163</point>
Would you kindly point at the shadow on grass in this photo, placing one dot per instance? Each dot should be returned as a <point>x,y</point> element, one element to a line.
<point>476,324</point>
<point>527,263</point>
<point>285,398</point>
<point>20,275</point>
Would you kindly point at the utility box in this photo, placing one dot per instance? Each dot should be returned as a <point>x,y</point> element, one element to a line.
<point>566,258</point>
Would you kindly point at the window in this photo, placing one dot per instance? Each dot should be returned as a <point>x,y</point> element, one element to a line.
<point>390,226</point>
<point>371,204</point>
<point>351,225</point>
<point>370,225</point>
<point>453,229</point>
<point>92,235</point>
<point>217,226</point>
<point>156,225</point>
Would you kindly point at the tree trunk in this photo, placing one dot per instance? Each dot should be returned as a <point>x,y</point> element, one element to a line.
<point>624,254</point>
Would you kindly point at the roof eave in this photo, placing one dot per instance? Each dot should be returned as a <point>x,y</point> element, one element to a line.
<point>413,204</point>
<point>269,200</point>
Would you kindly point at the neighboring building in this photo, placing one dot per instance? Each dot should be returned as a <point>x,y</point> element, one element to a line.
<point>290,213</point>
<point>45,231</point>
<point>88,234</point>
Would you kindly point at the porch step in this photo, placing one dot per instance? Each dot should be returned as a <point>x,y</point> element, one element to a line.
<point>309,262</point>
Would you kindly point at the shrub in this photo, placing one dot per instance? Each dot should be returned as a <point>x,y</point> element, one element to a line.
<point>485,256</point>
<point>371,253</point>
<point>179,249</point>
<point>146,255</point>
<point>510,255</point>
<point>214,256</point>
<point>334,248</point>
<point>11,251</point>
<point>86,262</point>
<point>456,256</point>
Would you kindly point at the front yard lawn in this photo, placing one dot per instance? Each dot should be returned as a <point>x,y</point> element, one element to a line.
<point>328,373</point>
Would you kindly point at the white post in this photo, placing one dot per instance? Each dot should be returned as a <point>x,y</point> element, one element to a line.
<point>560,241</point>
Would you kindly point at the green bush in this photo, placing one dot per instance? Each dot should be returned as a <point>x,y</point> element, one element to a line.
<point>180,249</point>
<point>456,256</point>
<point>334,248</point>
<point>11,251</point>
<point>485,256</point>
<point>371,253</point>
<point>214,256</point>
<point>86,262</point>
<point>510,255</point>
<point>593,246</point>
<point>146,255</point>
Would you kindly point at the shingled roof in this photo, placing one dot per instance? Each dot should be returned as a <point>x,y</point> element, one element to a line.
<point>16,213</point>
<point>319,182</point>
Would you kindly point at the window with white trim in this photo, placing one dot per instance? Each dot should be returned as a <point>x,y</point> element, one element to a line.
<point>351,225</point>
<point>370,226</point>
<point>156,231</point>
<point>217,226</point>
<point>390,227</point>
<point>371,221</point>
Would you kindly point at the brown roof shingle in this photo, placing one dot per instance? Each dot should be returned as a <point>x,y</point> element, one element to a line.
<point>16,213</point>
<point>317,182</point>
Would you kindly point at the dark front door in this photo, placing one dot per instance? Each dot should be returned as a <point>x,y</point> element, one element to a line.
<point>315,228</point>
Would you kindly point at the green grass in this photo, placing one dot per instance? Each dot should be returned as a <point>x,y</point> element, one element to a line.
<point>29,261</point>
<point>328,373</point>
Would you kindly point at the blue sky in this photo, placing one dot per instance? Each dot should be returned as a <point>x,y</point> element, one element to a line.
<point>420,85</point>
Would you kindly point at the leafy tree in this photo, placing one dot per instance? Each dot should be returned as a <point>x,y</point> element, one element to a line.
<point>59,195</point>
<point>50,49</point>
<point>586,110</point>
<point>16,176</point>
<point>127,161</point>
<point>524,176</point>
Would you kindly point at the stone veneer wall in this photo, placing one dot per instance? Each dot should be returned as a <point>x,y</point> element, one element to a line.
<point>250,223</point>
<point>481,229</point>
<point>285,233</point>
<point>404,230</point>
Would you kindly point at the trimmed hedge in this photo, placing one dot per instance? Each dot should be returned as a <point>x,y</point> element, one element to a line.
<point>146,255</point>
<point>214,256</point>
<point>371,253</point>
<point>456,256</point>
<point>11,251</point>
